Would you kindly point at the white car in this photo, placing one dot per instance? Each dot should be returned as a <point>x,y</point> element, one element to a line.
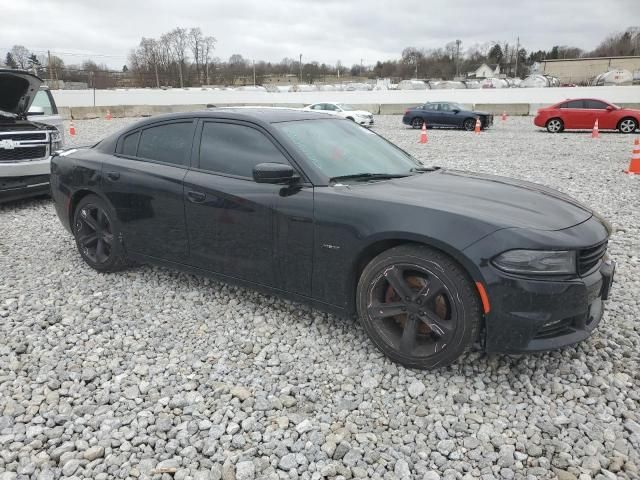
<point>343,110</point>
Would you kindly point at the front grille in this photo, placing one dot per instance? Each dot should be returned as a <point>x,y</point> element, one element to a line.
<point>23,153</point>
<point>589,258</point>
<point>19,136</point>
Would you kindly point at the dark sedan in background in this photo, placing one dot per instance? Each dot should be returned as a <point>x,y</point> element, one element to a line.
<point>321,210</point>
<point>446,114</point>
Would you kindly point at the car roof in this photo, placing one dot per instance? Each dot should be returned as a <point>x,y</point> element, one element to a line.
<point>248,113</point>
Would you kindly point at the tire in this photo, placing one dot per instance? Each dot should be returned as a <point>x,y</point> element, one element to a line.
<point>420,327</point>
<point>469,124</point>
<point>627,125</point>
<point>97,235</point>
<point>554,125</point>
<point>416,122</point>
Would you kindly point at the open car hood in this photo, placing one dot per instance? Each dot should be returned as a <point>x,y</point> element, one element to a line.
<point>17,91</point>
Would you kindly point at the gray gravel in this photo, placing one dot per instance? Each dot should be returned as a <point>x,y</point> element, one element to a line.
<point>157,374</point>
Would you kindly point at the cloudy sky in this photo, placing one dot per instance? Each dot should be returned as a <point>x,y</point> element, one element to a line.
<point>323,30</point>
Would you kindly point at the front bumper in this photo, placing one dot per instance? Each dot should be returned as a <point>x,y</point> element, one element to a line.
<point>536,315</point>
<point>14,188</point>
<point>529,313</point>
<point>26,168</point>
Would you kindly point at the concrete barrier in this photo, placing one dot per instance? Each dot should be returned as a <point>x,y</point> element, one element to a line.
<point>512,109</point>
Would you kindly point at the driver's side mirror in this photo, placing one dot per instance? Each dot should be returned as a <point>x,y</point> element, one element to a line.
<point>277,173</point>
<point>35,110</point>
<point>609,108</point>
<point>456,111</point>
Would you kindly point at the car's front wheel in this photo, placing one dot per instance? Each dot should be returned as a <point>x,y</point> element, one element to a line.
<point>418,306</point>
<point>417,122</point>
<point>97,235</point>
<point>555,125</point>
<point>469,124</point>
<point>628,125</point>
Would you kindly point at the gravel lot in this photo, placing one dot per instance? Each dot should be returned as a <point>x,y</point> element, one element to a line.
<point>152,373</point>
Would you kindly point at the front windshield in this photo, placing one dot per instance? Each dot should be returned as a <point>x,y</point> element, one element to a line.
<point>338,148</point>
<point>345,106</point>
<point>456,106</point>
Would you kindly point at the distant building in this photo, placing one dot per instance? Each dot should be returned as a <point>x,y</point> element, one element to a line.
<point>583,70</point>
<point>485,71</point>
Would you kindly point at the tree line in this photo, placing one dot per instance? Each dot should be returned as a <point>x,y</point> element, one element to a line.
<point>184,57</point>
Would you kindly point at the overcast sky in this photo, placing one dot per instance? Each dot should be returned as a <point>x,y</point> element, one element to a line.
<point>323,30</point>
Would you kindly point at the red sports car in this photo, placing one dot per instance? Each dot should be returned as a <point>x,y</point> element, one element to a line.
<point>582,113</point>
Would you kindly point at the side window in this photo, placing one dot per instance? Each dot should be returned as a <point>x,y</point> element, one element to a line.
<point>42,100</point>
<point>170,143</point>
<point>563,105</point>
<point>317,106</point>
<point>444,107</point>
<point>129,145</point>
<point>234,149</point>
<point>595,104</point>
<point>428,106</point>
<point>575,104</point>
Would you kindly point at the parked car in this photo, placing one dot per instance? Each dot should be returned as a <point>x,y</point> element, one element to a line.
<point>345,111</point>
<point>582,113</point>
<point>445,114</point>
<point>320,210</point>
<point>30,129</point>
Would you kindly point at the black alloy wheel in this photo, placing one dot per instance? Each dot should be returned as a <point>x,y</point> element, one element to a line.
<point>418,306</point>
<point>417,122</point>
<point>469,124</point>
<point>97,235</point>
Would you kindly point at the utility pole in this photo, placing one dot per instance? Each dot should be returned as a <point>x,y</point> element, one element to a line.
<point>517,54</point>
<point>300,68</point>
<point>254,73</point>
<point>360,67</point>
<point>49,63</point>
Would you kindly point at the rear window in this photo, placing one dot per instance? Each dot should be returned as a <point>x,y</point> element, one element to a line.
<point>130,144</point>
<point>169,143</point>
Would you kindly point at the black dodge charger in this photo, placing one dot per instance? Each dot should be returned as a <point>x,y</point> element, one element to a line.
<point>446,114</point>
<point>324,211</point>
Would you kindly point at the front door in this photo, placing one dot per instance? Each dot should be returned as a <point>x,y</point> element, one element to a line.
<point>238,227</point>
<point>143,182</point>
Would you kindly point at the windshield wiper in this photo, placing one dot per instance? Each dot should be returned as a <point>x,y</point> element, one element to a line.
<point>425,169</point>
<point>368,176</point>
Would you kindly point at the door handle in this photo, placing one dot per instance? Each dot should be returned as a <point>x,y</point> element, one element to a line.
<point>196,197</point>
<point>113,175</point>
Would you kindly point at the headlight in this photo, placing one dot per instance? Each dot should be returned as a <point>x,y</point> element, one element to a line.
<point>539,262</point>
<point>56,140</point>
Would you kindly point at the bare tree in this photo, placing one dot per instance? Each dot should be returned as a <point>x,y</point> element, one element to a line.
<point>196,44</point>
<point>208,45</point>
<point>21,55</point>
<point>179,42</point>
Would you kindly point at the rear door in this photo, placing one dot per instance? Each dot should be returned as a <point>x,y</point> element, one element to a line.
<point>573,115</point>
<point>144,183</point>
<point>256,232</point>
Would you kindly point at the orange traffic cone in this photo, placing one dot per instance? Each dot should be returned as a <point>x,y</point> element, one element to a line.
<point>72,129</point>
<point>634,165</point>
<point>595,133</point>
<point>504,116</point>
<point>477,129</point>
<point>109,117</point>
<point>423,134</point>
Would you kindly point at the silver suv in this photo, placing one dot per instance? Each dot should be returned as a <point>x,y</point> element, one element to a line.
<point>30,130</point>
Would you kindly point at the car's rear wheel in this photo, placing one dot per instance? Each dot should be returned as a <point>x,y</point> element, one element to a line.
<point>469,124</point>
<point>554,125</point>
<point>97,235</point>
<point>417,122</point>
<point>418,306</point>
<point>628,125</point>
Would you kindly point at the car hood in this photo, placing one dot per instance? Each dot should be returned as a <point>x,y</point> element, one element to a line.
<point>500,201</point>
<point>17,91</point>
